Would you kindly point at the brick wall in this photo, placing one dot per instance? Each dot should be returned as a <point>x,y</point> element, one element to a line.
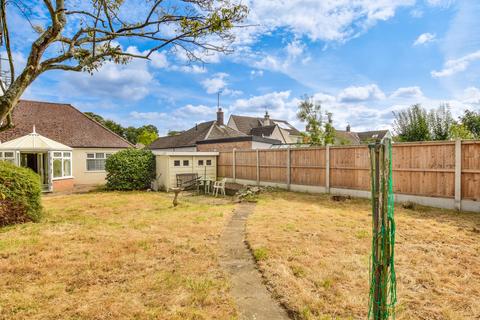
<point>62,185</point>
<point>225,146</point>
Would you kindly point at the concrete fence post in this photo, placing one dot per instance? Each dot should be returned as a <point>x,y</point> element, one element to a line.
<point>327,168</point>
<point>234,175</point>
<point>458,174</point>
<point>258,168</point>
<point>289,166</point>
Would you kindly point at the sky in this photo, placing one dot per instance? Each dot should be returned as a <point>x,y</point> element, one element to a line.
<point>362,60</point>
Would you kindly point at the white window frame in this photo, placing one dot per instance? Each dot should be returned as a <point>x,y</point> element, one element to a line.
<point>203,162</point>
<point>188,163</point>
<point>64,155</point>
<point>175,163</point>
<point>9,159</point>
<point>206,162</point>
<point>95,154</point>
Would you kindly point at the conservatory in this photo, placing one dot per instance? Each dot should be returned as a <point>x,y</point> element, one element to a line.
<point>50,159</point>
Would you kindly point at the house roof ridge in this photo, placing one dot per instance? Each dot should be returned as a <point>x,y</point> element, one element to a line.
<point>99,124</point>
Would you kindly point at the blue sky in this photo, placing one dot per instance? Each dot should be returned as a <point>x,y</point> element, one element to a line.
<point>360,59</point>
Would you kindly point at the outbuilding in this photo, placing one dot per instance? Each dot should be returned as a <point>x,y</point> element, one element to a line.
<point>171,164</point>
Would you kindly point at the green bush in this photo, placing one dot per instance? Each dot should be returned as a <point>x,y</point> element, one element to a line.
<point>130,169</point>
<point>20,194</point>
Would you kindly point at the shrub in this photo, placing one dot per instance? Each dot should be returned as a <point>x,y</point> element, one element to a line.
<point>20,194</point>
<point>130,169</point>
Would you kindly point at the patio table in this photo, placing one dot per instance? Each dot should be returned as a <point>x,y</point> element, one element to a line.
<point>206,182</point>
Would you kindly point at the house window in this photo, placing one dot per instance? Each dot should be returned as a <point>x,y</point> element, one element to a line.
<point>209,162</point>
<point>186,163</point>
<point>200,163</point>
<point>7,156</point>
<point>176,163</point>
<point>62,164</point>
<point>96,161</point>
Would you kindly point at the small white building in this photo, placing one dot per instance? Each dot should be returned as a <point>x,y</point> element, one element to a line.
<point>169,164</point>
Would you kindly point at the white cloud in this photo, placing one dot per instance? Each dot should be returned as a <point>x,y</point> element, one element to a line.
<point>454,66</point>
<point>424,38</point>
<point>194,68</point>
<point>471,95</point>
<point>148,115</point>
<point>216,83</point>
<point>195,110</point>
<point>280,105</point>
<point>440,3</point>
<point>407,92</point>
<point>355,94</point>
<point>258,73</point>
<point>132,81</point>
<point>323,20</point>
<point>159,60</point>
<point>416,13</point>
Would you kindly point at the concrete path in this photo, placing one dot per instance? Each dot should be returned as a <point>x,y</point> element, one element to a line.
<point>252,297</point>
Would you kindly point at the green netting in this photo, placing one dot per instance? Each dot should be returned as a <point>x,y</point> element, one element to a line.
<point>382,273</point>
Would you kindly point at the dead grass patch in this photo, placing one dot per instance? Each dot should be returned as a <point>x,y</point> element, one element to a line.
<point>318,257</point>
<point>117,256</point>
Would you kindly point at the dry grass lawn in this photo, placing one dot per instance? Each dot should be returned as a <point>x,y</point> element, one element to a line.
<point>314,253</point>
<point>117,256</point>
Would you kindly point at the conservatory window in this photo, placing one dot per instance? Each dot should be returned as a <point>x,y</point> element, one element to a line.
<point>7,156</point>
<point>62,164</point>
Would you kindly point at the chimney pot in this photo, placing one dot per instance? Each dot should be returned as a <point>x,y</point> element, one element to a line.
<point>220,117</point>
<point>266,119</point>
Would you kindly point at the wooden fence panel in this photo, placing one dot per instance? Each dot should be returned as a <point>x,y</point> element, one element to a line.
<point>246,165</point>
<point>350,167</point>
<point>471,170</point>
<point>307,166</point>
<point>424,169</point>
<point>273,165</point>
<point>225,165</point>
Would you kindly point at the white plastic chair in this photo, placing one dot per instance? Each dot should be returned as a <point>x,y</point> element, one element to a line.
<point>219,186</point>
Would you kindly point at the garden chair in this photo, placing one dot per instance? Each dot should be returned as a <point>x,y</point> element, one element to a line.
<point>219,186</point>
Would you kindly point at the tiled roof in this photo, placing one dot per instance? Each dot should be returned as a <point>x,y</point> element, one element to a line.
<point>247,124</point>
<point>185,139</point>
<point>223,131</point>
<point>350,137</point>
<point>265,131</point>
<point>202,131</point>
<point>62,123</point>
<point>346,137</point>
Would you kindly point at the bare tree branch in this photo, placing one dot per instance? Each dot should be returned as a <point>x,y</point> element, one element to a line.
<point>91,36</point>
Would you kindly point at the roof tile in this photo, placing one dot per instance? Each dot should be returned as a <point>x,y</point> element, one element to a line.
<point>62,123</point>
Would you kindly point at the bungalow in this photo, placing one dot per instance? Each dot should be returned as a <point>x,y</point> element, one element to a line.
<point>265,127</point>
<point>211,136</point>
<point>60,143</point>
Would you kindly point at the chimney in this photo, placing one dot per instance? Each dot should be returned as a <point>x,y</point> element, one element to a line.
<point>220,117</point>
<point>266,119</point>
<point>348,127</point>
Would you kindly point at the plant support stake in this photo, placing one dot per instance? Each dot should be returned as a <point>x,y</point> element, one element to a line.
<point>383,295</point>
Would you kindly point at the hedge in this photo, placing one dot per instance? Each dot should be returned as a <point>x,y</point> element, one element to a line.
<point>20,194</point>
<point>130,169</point>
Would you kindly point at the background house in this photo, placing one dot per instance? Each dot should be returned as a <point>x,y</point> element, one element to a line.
<point>344,137</point>
<point>212,136</point>
<point>60,143</point>
<point>265,127</point>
